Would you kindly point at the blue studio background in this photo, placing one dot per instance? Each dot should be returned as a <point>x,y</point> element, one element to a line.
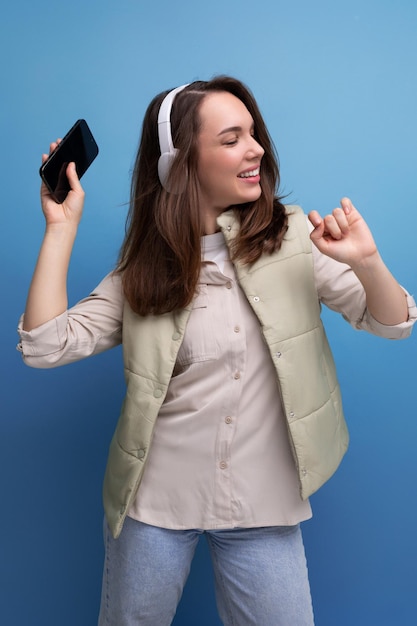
<point>336,82</point>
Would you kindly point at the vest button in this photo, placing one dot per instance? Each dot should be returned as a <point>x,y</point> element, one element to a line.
<point>278,355</point>
<point>176,335</point>
<point>256,298</point>
<point>157,393</point>
<point>141,453</point>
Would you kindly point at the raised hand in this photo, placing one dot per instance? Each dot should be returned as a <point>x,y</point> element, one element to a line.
<point>70,211</point>
<point>344,235</point>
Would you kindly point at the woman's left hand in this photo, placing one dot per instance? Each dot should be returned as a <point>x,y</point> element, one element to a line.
<point>344,235</point>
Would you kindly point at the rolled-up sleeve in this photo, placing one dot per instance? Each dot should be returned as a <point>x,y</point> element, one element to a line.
<point>92,326</point>
<point>339,289</point>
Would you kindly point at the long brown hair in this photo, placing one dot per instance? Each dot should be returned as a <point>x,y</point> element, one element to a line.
<point>160,257</point>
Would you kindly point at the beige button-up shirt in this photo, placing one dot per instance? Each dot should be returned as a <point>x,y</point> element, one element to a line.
<point>220,455</point>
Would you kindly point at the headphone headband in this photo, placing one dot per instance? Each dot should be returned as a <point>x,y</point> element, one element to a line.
<point>166,145</point>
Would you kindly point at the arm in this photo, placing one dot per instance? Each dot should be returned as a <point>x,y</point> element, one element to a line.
<point>345,237</point>
<point>47,297</point>
<point>91,326</point>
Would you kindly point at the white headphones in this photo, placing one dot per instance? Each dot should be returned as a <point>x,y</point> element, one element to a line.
<point>166,146</point>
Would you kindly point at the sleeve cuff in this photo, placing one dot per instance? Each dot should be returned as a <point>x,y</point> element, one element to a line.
<point>398,331</point>
<point>51,336</point>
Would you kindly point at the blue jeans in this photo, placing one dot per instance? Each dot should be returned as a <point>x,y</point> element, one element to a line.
<point>260,575</point>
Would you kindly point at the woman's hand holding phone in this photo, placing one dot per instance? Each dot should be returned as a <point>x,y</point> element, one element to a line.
<point>70,210</point>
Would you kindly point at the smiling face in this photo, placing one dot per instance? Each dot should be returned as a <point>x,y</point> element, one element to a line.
<point>229,157</point>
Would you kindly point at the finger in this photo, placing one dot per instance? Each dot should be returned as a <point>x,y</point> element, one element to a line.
<point>341,219</point>
<point>331,227</point>
<point>315,218</point>
<point>318,224</point>
<point>347,205</point>
<point>73,179</point>
<point>53,146</point>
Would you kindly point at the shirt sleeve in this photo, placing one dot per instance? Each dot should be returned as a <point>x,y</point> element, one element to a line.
<point>92,326</point>
<point>339,288</point>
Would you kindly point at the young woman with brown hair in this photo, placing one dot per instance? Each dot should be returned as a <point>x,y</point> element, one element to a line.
<point>232,415</point>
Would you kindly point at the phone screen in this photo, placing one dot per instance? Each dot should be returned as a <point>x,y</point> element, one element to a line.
<point>79,146</point>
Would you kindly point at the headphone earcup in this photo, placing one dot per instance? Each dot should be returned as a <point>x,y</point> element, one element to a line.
<point>164,166</point>
<point>168,152</point>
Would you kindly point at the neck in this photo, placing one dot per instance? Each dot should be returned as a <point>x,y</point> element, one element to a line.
<point>210,221</point>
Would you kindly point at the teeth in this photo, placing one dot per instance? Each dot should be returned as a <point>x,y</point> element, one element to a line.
<point>249,174</point>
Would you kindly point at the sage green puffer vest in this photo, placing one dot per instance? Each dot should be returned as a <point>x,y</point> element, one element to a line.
<point>281,291</point>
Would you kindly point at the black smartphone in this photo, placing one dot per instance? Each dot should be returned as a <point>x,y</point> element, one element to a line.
<point>78,146</point>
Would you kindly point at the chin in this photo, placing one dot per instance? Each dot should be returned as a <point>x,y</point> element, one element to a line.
<point>252,197</point>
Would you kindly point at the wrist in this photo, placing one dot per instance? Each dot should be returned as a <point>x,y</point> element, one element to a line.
<point>368,264</point>
<point>61,230</point>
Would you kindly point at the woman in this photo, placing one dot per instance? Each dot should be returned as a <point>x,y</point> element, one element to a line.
<point>232,415</point>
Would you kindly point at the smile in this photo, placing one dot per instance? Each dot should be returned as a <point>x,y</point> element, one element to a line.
<point>249,173</point>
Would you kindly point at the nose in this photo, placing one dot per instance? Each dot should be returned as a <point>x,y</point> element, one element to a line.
<point>255,148</point>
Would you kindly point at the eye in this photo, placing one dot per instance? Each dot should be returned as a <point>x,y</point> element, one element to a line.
<point>230,141</point>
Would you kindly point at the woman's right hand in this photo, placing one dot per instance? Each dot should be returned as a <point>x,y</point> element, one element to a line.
<point>70,211</point>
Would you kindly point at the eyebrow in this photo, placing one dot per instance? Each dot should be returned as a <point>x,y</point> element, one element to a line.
<point>233,129</point>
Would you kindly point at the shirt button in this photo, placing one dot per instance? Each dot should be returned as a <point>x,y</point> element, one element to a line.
<point>278,355</point>
<point>228,285</point>
<point>229,227</point>
<point>236,375</point>
<point>256,298</point>
<point>237,329</point>
<point>223,465</point>
<point>228,419</point>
